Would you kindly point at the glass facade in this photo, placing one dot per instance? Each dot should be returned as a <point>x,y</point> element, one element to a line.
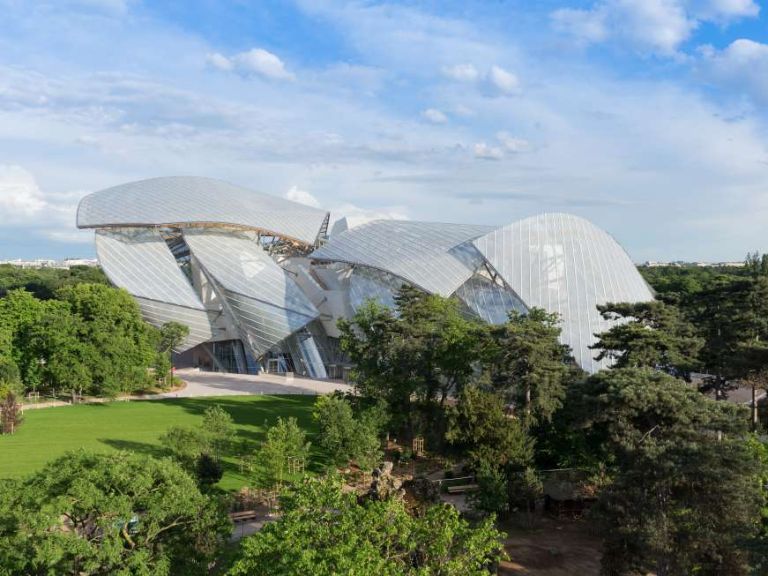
<point>191,250</point>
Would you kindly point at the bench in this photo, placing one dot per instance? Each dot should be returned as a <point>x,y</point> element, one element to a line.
<point>462,489</point>
<point>243,516</point>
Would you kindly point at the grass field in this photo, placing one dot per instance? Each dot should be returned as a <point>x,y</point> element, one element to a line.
<point>49,432</point>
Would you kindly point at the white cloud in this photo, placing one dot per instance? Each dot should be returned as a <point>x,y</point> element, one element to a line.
<point>24,204</point>
<point>463,111</point>
<point>658,26</point>
<point>512,144</point>
<point>485,152</point>
<point>351,215</point>
<point>499,81</point>
<point>742,66</point>
<point>725,9</point>
<point>495,82</point>
<point>461,72</point>
<point>588,26</point>
<point>20,198</point>
<point>220,62</point>
<point>296,194</point>
<point>255,62</point>
<point>435,116</point>
<point>655,26</point>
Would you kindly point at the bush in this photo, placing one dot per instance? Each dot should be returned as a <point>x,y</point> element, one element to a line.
<point>285,442</point>
<point>209,471</point>
<point>345,437</point>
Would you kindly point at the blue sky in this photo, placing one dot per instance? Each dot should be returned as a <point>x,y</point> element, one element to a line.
<point>649,117</point>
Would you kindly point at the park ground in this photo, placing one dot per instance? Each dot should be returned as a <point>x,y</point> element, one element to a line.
<point>137,426</point>
<point>548,548</point>
<point>551,547</point>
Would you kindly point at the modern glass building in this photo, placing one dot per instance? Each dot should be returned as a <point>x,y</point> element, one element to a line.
<point>261,283</point>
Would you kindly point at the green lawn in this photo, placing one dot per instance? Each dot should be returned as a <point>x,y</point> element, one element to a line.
<point>49,432</point>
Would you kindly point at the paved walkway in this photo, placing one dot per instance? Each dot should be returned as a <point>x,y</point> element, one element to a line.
<point>218,384</point>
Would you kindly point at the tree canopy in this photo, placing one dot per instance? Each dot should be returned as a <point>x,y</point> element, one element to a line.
<point>685,490</point>
<point>325,531</point>
<point>116,514</point>
<point>414,355</point>
<point>649,334</point>
<point>528,363</point>
<point>90,338</point>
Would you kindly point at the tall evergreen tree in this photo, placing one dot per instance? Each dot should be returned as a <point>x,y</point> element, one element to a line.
<point>649,334</point>
<point>685,493</point>
<point>526,361</point>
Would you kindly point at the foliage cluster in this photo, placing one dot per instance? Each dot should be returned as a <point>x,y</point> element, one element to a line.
<point>685,493</point>
<point>325,531</point>
<point>84,339</point>
<point>283,454</point>
<point>199,450</point>
<point>348,437</point>
<point>120,514</point>
<point>44,283</point>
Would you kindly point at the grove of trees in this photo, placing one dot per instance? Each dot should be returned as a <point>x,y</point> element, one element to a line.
<point>79,338</point>
<point>325,531</point>
<point>681,485</point>
<point>116,514</point>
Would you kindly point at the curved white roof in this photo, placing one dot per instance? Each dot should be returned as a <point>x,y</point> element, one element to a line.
<point>189,200</point>
<point>435,257</point>
<point>565,264</point>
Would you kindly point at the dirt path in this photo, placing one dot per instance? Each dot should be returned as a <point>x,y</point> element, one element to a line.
<point>551,548</point>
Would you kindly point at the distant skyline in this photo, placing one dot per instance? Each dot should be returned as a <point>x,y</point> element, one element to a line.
<point>648,117</point>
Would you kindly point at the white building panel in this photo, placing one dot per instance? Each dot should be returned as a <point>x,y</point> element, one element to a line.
<point>565,264</point>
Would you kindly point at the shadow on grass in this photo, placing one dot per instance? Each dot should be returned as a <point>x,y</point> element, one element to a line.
<point>137,447</point>
<point>252,415</point>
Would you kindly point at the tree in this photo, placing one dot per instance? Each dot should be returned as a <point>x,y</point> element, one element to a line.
<point>170,336</point>
<point>208,471</point>
<point>54,342</point>
<point>218,428</point>
<point>199,450</point>
<point>10,378</point>
<point>345,437</point>
<point>285,443</point>
<point>479,426</point>
<point>684,494</point>
<point>527,361</point>
<point>756,264</point>
<point>19,311</point>
<point>10,413</point>
<point>89,338</point>
<point>118,346</point>
<point>324,531</point>
<point>733,315</point>
<point>757,547</point>
<point>43,283</point>
<point>649,335</point>
<point>437,343</point>
<point>116,514</point>
<point>412,357</point>
<point>497,446</point>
